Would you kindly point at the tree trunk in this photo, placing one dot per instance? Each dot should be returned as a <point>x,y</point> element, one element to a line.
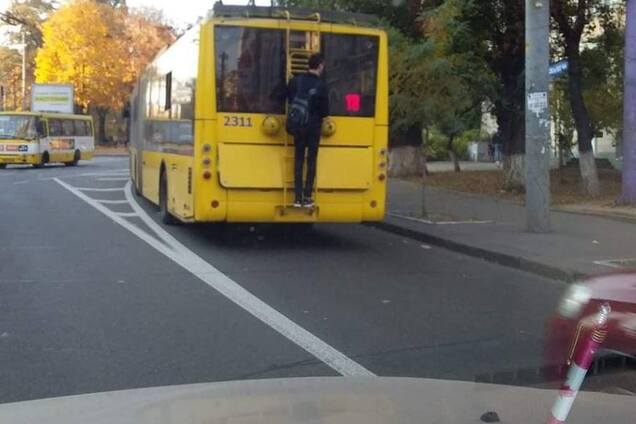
<point>589,174</point>
<point>510,112</point>
<point>405,161</point>
<point>452,155</point>
<point>628,195</point>
<point>101,125</point>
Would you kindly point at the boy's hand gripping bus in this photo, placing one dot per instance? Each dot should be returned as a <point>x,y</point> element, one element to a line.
<point>208,119</point>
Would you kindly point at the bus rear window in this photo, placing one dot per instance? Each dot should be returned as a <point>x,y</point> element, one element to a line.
<point>250,70</point>
<point>351,65</point>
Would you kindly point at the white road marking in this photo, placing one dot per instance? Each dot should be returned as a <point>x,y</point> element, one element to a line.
<point>127,214</point>
<point>97,189</point>
<point>107,173</point>
<point>190,261</point>
<point>111,202</point>
<point>113,179</point>
<point>615,263</point>
<point>426,221</point>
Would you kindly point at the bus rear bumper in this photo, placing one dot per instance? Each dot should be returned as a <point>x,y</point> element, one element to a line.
<point>255,212</point>
<point>20,159</point>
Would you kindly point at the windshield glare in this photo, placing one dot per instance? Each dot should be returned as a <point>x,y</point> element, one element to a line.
<point>18,127</point>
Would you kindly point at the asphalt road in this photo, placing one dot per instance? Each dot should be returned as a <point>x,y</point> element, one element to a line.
<point>93,298</point>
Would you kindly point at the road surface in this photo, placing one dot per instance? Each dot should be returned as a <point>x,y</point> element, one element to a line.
<point>96,296</point>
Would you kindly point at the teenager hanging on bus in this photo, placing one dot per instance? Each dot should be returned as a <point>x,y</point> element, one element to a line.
<point>308,105</point>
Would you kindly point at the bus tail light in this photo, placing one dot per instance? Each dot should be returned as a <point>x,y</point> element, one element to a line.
<point>374,204</point>
<point>207,175</point>
<point>215,204</point>
<point>207,148</point>
<point>382,177</point>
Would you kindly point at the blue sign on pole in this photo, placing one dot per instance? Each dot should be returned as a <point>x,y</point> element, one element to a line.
<point>558,68</point>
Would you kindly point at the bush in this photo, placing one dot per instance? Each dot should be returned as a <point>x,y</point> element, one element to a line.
<point>436,148</point>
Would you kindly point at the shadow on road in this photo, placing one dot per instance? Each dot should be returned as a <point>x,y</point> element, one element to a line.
<point>262,236</point>
<point>271,236</point>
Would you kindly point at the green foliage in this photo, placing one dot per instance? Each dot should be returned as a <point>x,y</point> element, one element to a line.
<point>603,72</point>
<point>436,148</point>
<point>400,14</point>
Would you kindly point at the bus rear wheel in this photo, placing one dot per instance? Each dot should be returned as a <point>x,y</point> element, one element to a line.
<point>166,217</point>
<point>76,159</point>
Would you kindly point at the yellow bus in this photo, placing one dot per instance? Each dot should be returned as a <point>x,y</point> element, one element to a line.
<point>40,138</point>
<point>208,139</point>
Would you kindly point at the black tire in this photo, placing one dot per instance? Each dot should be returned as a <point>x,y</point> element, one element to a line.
<point>166,217</point>
<point>43,161</point>
<point>76,159</point>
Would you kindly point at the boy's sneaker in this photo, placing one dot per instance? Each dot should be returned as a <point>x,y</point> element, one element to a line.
<point>308,202</point>
<point>298,203</point>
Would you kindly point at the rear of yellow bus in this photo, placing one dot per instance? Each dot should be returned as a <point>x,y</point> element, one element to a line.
<point>244,158</point>
<point>19,138</point>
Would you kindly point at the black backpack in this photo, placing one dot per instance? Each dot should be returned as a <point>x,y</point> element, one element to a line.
<point>298,111</point>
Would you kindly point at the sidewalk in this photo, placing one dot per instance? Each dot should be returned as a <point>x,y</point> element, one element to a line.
<point>493,229</point>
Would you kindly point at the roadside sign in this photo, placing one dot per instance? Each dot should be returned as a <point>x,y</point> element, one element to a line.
<point>56,98</point>
<point>558,68</point>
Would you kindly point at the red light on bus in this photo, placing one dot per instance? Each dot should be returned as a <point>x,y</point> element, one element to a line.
<point>215,204</point>
<point>207,175</point>
<point>352,102</point>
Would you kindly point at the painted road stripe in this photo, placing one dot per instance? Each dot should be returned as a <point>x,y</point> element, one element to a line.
<point>426,221</point>
<point>111,202</point>
<point>96,189</point>
<point>193,263</point>
<point>123,178</point>
<point>127,214</point>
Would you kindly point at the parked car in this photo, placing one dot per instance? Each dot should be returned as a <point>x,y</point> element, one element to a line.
<point>576,311</point>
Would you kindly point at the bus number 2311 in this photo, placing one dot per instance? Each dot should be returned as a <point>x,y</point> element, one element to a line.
<point>237,121</point>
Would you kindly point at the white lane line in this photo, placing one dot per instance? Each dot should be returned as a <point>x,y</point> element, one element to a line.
<point>127,214</point>
<point>193,263</point>
<point>97,189</point>
<point>426,221</point>
<point>108,173</point>
<point>616,263</point>
<point>113,179</point>
<point>111,202</point>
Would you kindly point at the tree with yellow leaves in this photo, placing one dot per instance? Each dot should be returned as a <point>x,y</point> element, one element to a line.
<point>94,47</point>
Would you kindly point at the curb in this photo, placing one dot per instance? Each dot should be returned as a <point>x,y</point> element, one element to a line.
<point>510,261</point>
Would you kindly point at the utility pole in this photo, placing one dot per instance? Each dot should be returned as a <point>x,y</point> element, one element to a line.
<point>24,47</point>
<point>537,116</point>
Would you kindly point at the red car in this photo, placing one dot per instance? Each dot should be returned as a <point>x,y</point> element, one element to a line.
<point>577,309</point>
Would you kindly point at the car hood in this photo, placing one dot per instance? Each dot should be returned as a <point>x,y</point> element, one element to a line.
<point>318,400</point>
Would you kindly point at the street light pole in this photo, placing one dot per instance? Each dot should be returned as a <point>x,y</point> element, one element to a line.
<point>24,47</point>
<point>537,116</point>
